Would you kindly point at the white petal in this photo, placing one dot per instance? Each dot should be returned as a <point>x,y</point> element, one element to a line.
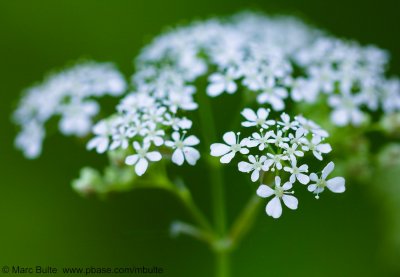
<point>230,138</point>
<point>249,114</point>
<point>287,185</point>
<point>215,89</point>
<point>154,156</point>
<point>327,170</point>
<point>265,191</point>
<point>274,208</point>
<point>191,155</point>
<point>336,184</point>
<point>340,117</point>
<point>312,187</point>
<point>318,155</point>
<point>169,143</point>
<point>255,175</point>
<point>219,149</point>
<point>158,141</point>
<point>136,145</point>
<point>324,148</point>
<point>248,124</point>
<point>191,140</point>
<point>177,157</point>
<point>175,136</point>
<point>231,88</point>
<point>277,181</point>
<point>227,158</point>
<point>141,166</point>
<point>245,167</point>
<point>304,179</point>
<point>252,159</point>
<point>132,159</point>
<point>290,201</point>
<point>262,113</point>
<point>313,177</point>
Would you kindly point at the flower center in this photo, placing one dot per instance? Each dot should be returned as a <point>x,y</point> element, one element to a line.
<point>279,192</point>
<point>179,144</point>
<point>236,147</point>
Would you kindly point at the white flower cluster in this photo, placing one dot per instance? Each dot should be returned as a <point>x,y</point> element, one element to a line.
<point>280,146</point>
<point>69,95</point>
<point>149,122</point>
<point>276,58</point>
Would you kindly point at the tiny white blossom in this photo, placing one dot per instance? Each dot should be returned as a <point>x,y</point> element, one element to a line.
<point>257,119</point>
<point>256,165</point>
<point>183,149</point>
<point>228,150</point>
<point>274,206</point>
<point>259,139</point>
<point>316,147</point>
<point>308,126</point>
<point>273,94</point>
<point>275,160</point>
<point>152,134</point>
<point>102,139</point>
<point>291,151</point>
<point>142,157</point>
<point>346,110</point>
<point>120,138</point>
<point>177,123</point>
<point>336,184</point>
<point>286,123</point>
<point>277,138</point>
<point>298,172</point>
<point>222,82</point>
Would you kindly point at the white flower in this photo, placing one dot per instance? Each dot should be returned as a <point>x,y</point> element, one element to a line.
<point>120,138</point>
<point>316,146</point>
<point>29,140</point>
<point>181,99</point>
<point>155,114</point>
<point>309,126</point>
<point>177,123</point>
<point>298,172</point>
<point>274,206</point>
<point>273,94</point>
<point>259,119</point>
<point>291,151</point>
<point>304,90</point>
<point>152,134</point>
<point>286,123</point>
<point>256,165</point>
<point>102,138</point>
<point>183,149</point>
<point>275,160</point>
<point>222,82</point>
<point>228,151</point>
<point>142,157</point>
<point>336,184</point>
<point>346,110</point>
<point>259,139</point>
<point>278,138</point>
<point>77,117</point>
<point>324,76</point>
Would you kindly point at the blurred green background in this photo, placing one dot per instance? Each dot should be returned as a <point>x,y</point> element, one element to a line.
<point>43,222</point>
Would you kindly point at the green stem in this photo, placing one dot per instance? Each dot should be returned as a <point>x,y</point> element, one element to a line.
<point>198,216</point>
<point>217,186</point>
<point>245,220</point>
<point>223,266</point>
